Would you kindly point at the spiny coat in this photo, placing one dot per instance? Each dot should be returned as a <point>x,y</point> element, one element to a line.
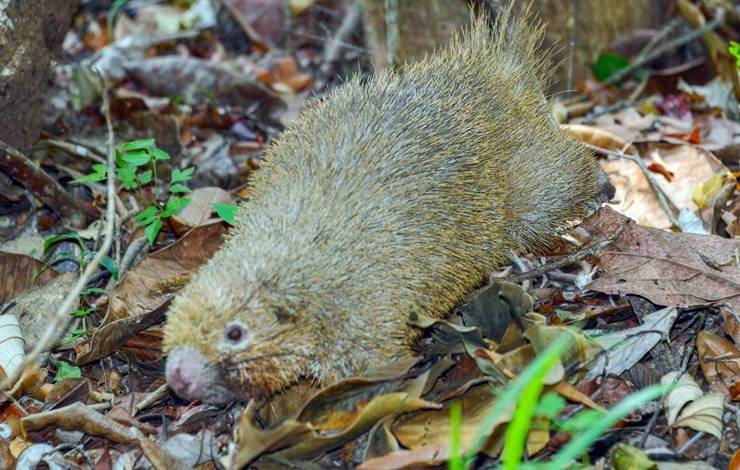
<point>391,196</point>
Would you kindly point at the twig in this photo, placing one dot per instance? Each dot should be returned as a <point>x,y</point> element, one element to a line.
<point>662,199</point>
<point>391,30</point>
<point>658,51</point>
<point>335,44</point>
<point>76,149</point>
<point>571,258</point>
<point>59,322</point>
<point>572,42</point>
<point>72,210</point>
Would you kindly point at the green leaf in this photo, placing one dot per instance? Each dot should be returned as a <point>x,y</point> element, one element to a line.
<point>100,172</point>
<point>550,405</point>
<point>127,176</point>
<point>178,176</point>
<point>73,236</point>
<point>145,177</point>
<point>67,371</point>
<point>74,337</point>
<point>607,65</point>
<point>174,205</point>
<point>92,291</point>
<point>147,216</point>
<point>84,311</point>
<point>227,212</point>
<point>142,144</point>
<point>158,154</point>
<point>152,230</point>
<point>735,52</point>
<point>179,188</point>
<point>110,264</point>
<point>136,158</point>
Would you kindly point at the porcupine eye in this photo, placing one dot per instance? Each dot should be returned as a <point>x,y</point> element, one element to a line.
<point>236,334</point>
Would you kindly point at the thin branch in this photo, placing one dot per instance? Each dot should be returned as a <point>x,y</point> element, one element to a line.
<point>662,198</point>
<point>61,319</point>
<point>569,259</point>
<point>658,51</point>
<point>72,210</point>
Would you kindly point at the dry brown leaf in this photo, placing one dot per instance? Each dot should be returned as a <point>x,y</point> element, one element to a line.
<point>431,428</point>
<point>426,457</point>
<point>160,275</point>
<point>674,269</point>
<point>317,428</point>
<point>598,137</point>
<point>689,165</point>
<point>731,324</point>
<point>719,359</point>
<point>18,274</point>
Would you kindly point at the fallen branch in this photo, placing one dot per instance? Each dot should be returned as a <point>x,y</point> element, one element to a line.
<point>72,210</point>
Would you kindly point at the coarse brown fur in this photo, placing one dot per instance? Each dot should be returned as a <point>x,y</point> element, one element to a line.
<point>389,197</point>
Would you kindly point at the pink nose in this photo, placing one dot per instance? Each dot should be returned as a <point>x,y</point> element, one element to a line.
<point>184,375</point>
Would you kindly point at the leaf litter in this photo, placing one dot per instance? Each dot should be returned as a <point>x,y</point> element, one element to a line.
<point>98,399</point>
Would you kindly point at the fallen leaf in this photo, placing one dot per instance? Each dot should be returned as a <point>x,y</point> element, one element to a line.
<point>623,349</point>
<point>719,358</point>
<point>675,269</point>
<point>302,437</point>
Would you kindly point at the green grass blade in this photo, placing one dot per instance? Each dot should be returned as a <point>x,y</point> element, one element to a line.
<point>518,430</point>
<point>538,368</point>
<point>581,443</point>
<point>455,461</point>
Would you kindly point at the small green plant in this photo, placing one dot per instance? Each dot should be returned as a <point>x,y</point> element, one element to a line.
<point>136,167</point>
<point>82,259</point>
<point>735,52</point>
<point>227,212</point>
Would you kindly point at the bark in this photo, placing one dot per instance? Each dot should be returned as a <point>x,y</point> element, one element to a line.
<point>31,36</point>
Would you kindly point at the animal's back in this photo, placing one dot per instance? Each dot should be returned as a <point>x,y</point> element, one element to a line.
<point>388,197</point>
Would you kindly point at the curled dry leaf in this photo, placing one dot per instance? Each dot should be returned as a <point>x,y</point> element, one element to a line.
<point>675,269</point>
<point>704,414</point>
<point>623,349</point>
<point>685,391</point>
<point>12,345</point>
<point>719,359</point>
